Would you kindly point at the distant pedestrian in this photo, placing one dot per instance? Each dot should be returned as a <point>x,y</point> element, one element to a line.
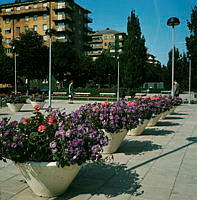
<point>176,89</point>
<point>70,92</point>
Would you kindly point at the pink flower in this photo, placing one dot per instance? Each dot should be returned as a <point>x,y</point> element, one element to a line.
<point>41,128</point>
<point>130,103</point>
<point>105,103</point>
<point>24,120</point>
<point>95,108</point>
<point>51,120</point>
<point>37,107</point>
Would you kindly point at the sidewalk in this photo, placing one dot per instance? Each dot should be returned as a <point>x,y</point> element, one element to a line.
<point>161,164</point>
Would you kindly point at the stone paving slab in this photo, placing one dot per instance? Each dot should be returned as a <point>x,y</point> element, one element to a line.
<point>158,165</point>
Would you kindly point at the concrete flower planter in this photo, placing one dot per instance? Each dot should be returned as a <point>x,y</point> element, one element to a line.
<point>115,140</point>
<point>154,120</point>
<point>46,179</point>
<point>15,107</point>
<point>139,129</point>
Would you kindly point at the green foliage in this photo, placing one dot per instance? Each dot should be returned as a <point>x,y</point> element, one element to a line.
<point>191,43</point>
<point>64,61</point>
<point>134,57</point>
<point>106,70</point>
<point>32,59</point>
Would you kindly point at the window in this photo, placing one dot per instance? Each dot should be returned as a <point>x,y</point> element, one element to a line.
<point>17,19</point>
<point>7,40</point>
<point>7,30</point>
<point>44,27</point>
<point>35,6</point>
<point>0,21</point>
<point>8,50</point>
<point>8,9</point>
<point>26,18</point>
<point>26,28</point>
<point>120,36</point>
<point>7,20</point>
<point>18,8</point>
<point>44,4</point>
<point>45,16</point>
<point>35,17</point>
<point>112,37</point>
<point>60,25</point>
<point>35,28</point>
<point>18,29</point>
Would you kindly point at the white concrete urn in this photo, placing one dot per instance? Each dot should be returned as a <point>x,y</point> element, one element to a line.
<point>15,107</point>
<point>154,120</point>
<point>115,140</point>
<point>46,179</point>
<point>139,129</point>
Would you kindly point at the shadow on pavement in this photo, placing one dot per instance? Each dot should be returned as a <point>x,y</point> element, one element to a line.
<point>110,180</point>
<point>192,139</point>
<point>179,113</point>
<point>174,117</point>
<point>156,131</point>
<point>163,123</point>
<point>135,147</point>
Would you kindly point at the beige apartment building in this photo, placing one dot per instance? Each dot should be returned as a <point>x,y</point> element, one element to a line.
<point>69,19</point>
<point>108,39</point>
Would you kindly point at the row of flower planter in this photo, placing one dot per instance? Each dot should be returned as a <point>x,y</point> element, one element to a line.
<point>16,107</point>
<point>67,141</point>
<point>40,175</point>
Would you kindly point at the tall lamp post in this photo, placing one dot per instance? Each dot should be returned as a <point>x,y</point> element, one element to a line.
<point>190,71</point>
<point>50,32</point>
<point>118,84</point>
<point>15,83</point>
<point>173,21</point>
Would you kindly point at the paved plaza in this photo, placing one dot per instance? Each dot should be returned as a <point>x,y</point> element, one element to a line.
<point>161,164</point>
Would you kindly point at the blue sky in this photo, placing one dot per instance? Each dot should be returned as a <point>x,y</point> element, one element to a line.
<point>153,15</point>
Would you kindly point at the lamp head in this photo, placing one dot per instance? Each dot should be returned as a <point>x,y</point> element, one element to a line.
<point>173,21</point>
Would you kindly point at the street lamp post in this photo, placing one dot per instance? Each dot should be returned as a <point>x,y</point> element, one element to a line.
<point>118,84</point>
<point>190,70</point>
<point>173,21</point>
<point>15,83</point>
<point>50,32</point>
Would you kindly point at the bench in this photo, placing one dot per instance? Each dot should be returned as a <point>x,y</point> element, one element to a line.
<point>59,93</point>
<point>82,94</point>
<point>107,94</point>
<point>165,92</point>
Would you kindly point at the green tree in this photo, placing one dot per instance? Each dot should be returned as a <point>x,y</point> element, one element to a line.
<point>6,65</point>
<point>191,43</point>
<point>135,54</point>
<point>105,69</point>
<point>32,56</point>
<point>85,72</point>
<point>64,62</point>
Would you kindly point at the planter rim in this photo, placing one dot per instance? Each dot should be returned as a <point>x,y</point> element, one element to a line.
<point>33,163</point>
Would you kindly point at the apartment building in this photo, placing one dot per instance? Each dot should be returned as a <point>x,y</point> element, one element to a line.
<point>108,39</point>
<point>151,60</point>
<point>69,19</point>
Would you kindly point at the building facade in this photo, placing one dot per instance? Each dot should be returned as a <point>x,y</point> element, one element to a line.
<point>108,39</point>
<point>67,18</point>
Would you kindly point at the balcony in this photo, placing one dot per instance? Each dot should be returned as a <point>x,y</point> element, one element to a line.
<point>59,18</point>
<point>99,40</point>
<point>60,7</point>
<point>25,11</point>
<point>97,47</point>
<point>88,29</point>
<point>88,19</point>
<point>64,29</point>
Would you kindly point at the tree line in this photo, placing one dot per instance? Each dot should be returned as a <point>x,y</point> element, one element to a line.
<point>33,61</point>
